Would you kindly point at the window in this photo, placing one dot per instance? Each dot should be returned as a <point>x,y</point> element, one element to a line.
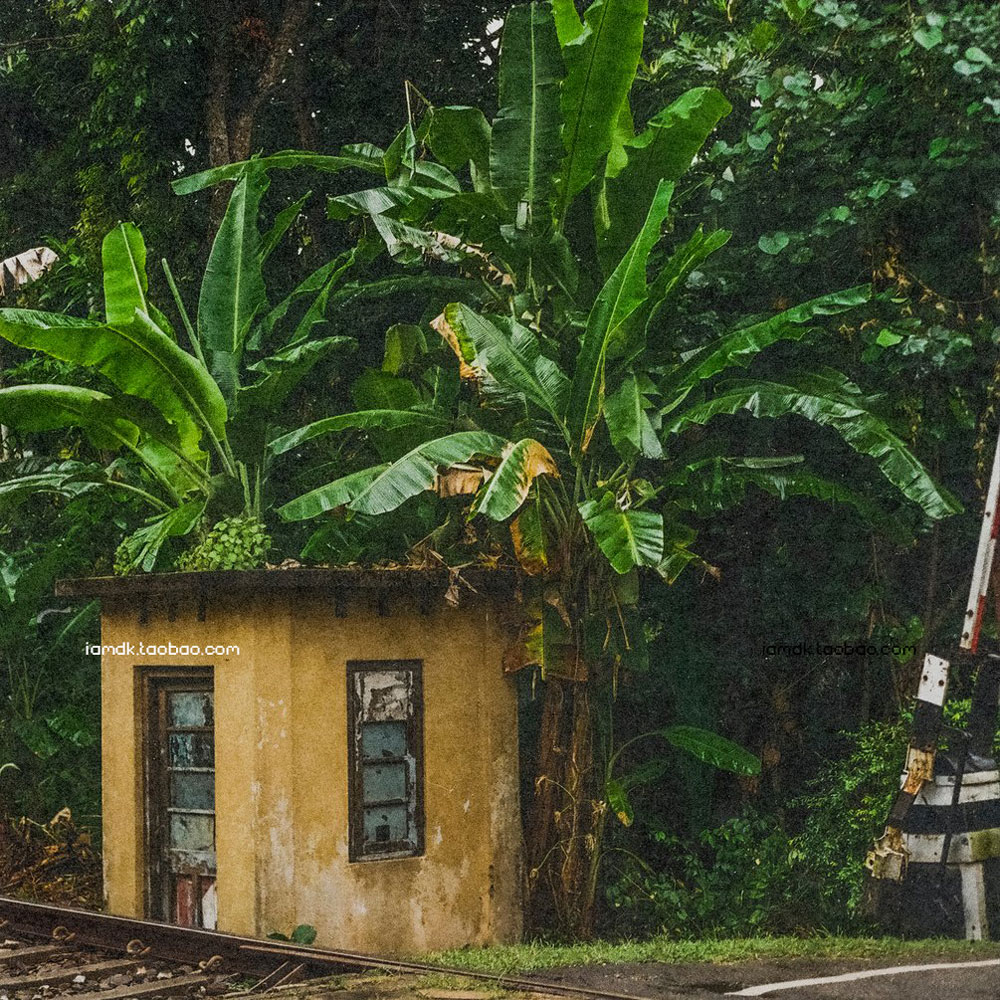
<point>385,758</point>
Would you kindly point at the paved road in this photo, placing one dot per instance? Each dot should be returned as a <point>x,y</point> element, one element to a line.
<point>978,981</point>
<point>774,980</point>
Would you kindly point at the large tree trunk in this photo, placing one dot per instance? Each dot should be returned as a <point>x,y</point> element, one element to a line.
<point>230,121</point>
<point>566,821</point>
<point>217,107</point>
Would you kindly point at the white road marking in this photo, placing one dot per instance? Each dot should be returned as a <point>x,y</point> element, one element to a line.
<point>850,977</point>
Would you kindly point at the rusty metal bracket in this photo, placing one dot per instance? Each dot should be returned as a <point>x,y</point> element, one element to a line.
<point>888,858</point>
<point>919,769</point>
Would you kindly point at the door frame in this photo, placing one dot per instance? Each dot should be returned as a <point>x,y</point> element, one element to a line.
<point>154,795</point>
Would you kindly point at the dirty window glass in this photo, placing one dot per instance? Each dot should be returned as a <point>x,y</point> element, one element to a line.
<point>386,793</point>
<point>192,750</point>
<point>192,790</point>
<point>383,739</point>
<point>385,824</point>
<point>192,832</point>
<point>385,783</point>
<point>191,708</point>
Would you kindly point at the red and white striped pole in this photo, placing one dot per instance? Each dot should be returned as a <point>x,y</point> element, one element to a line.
<point>984,560</point>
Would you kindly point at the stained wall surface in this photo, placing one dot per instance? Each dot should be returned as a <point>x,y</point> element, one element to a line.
<point>282,765</point>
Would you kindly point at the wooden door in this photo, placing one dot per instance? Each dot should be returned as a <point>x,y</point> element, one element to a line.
<point>180,768</point>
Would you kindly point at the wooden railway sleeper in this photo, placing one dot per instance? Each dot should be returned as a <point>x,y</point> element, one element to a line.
<point>32,954</point>
<point>57,977</point>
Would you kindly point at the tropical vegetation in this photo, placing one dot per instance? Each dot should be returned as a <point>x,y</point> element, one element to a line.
<point>553,317</point>
<point>565,341</point>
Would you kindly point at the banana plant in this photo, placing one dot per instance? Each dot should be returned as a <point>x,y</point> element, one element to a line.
<point>192,417</point>
<point>594,486</point>
<point>586,431</point>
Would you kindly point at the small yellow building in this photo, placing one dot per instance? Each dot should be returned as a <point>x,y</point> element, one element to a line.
<point>311,746</point>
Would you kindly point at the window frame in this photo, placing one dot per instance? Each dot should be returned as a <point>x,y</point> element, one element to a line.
<point>152,682</point>
<point>357,850</point>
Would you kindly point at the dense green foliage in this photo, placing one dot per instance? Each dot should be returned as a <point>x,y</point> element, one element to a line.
<point>105,102</point>
<point>544,290</point>
<point>585,435</point>
<point>759,873</point>
<point>49,726</point>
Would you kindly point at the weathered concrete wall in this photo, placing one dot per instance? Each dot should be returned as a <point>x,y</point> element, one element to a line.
<point>282,775</point>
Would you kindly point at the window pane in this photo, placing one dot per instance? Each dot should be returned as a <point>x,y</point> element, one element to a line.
<point>190,708</point>
<point>192,750</point>
<point>192,791</point>
<point>384,824</point>
<point>385,781</point>
<point>386,696</point>
<point>192,833</point>
<point>383,739</point>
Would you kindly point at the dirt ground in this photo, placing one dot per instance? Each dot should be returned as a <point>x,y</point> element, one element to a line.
<point>52,862</point>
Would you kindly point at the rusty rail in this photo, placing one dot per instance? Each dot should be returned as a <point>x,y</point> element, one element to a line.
<point>275,961</point>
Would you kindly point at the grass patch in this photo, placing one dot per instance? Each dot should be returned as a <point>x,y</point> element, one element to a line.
<point>535,955</point>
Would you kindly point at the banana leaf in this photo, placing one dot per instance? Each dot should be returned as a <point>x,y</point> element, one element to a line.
<point>628,538</point>
<point>360,157</point>
<point>54,407</point>
<point>359,420</point>
<point>525,148</point>
<point>710,748</point>
<point>621,295</point>
<point>417,470</point>
<point>140,360</point>
<point>830,402</point>
<point>601,62</point>
<point>232,289</point>
<point>511,354</point>
<point>663,151</point>
<point>520,465</point>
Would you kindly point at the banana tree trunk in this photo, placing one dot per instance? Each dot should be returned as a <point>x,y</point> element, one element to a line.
<point>565,824</point>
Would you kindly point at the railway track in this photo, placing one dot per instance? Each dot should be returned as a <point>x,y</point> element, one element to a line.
<point>62,968</point>
<point>51,951</point>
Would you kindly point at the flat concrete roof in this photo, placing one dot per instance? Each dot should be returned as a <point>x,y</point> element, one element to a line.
<point>478,578</point>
